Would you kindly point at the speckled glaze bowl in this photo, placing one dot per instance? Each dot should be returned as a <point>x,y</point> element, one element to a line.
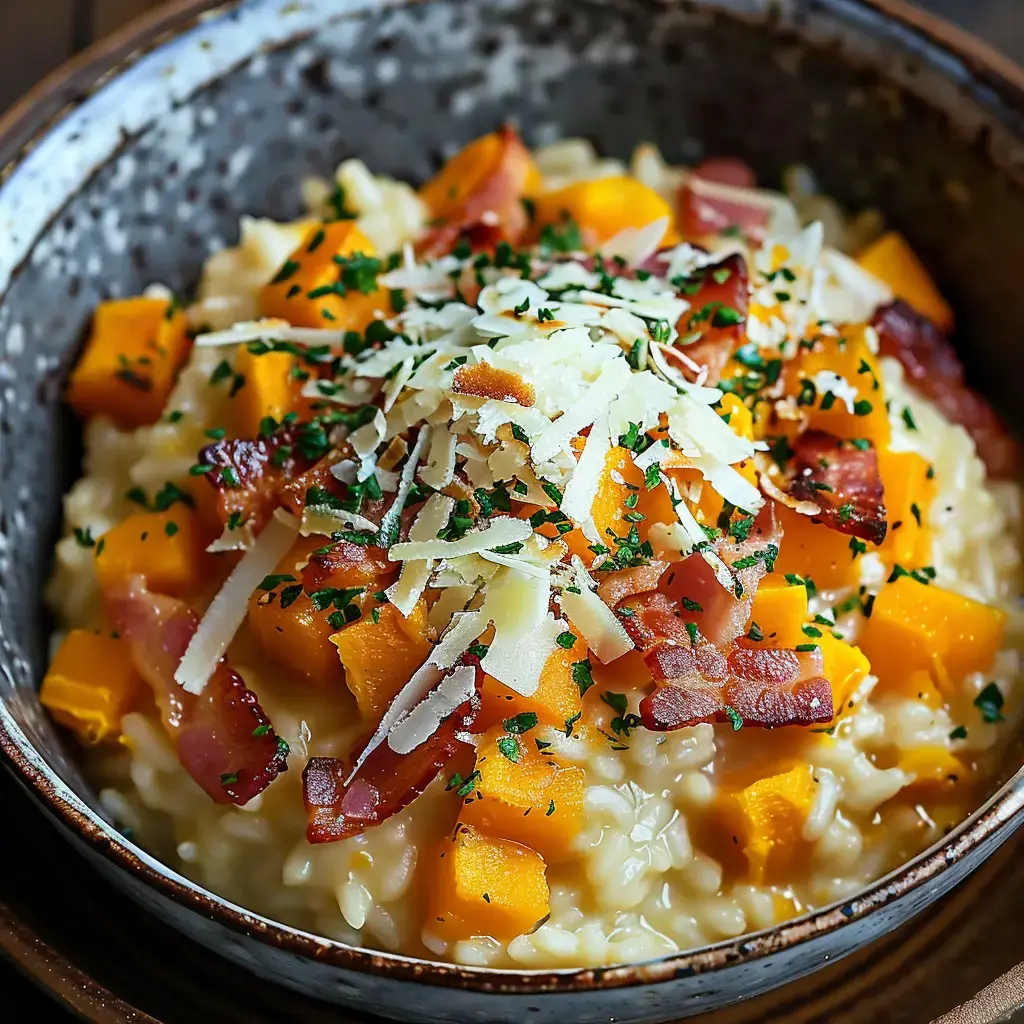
<point>133,164</point>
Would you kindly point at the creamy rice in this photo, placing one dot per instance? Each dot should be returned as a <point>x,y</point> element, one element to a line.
<point>644,881</point>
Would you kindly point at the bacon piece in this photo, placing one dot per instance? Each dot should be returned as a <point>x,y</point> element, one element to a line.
<point>224,740</point>
<point>386,782</point>
<point>347,564</point>
<point>488,381</point>
<point>724,291</point>
<point>721,615</point>
<point>492,212</point>
<point>766,687</point>
<point>934,368</point>
<point>704,211</point>
<point>842,480</point>
<point>250,475</point>
<point>622,583</point>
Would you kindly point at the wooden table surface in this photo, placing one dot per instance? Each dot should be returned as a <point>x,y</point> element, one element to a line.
<point>925,970</point>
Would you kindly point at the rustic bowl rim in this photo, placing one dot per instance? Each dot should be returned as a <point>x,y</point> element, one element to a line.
<point>33,117</point>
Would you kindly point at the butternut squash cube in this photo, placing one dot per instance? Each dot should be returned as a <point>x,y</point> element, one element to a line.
<point>322,284</point>
<point>893,262</point>
<point>130,362</point>
<point>844,667</point>
<point>780,610</point>
<point>773,812</point>
<point>848,356</point>
<point>913,622</point>
<point>812,549</point>
<point>602,207</point>
<point>165,547</point>
<point>90,685</point>
<point>465,172</point>
<point>917,685</point>
<point>525,796</point>
<point>485,886</point>
<point>934,767</point>
<point>269,390</point>
<point>909,493</point>
<point>380,657</point>
<point>555,701</point>
<point>289,629</point>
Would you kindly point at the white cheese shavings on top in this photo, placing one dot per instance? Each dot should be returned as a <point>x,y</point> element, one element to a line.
<point>500,531</point>
<point>599,625</point>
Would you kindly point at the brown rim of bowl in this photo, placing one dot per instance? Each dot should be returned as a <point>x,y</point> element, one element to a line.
<point>73,84</point>
<point>58,978</point>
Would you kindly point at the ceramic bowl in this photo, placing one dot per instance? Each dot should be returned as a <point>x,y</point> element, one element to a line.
<point>133,164</point>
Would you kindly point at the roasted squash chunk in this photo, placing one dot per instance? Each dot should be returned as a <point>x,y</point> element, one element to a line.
<point>844,666</point>
<point>380,657</point>
<point>525,796</point>
<point>130,361</point>
<point>780,611</point>
<point>772,813</point>
<point>892,261</point>
<point>602,207</point>
<point>486,886</point>
<point>446,193</point>
<point>328,282</point>
<point>90,685</point>
<point>810,381</point>
<point>913,623</point>
<point>813,550</point>
<point>933,767</point>
<point>555,701</point>
<point>909,492</point>
<point>165,547</point>
<point>269,389</point>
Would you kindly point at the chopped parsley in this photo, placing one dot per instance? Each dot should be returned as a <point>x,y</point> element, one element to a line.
<point>990,703</point>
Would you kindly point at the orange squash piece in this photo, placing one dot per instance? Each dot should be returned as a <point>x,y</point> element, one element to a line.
<point>602,207</point>
<point>772,815</point>
<point>891,259</point>
<point>916,685</point>
<point>165,547</point>
<point>849,356</point>
<point>527,797</point>
<point>811,549</point>
<point>935,768</point>
<point>844,666</point>
<point>463,174</point>
<point>555,701</point>
<point>485,886</point>
<point>909,493</point>
<point>380,657</point>
<point>130,362</point>
<point>780,610</point>
<point>90,685</point>
<point>270,389</point>
<point>912,624</point>
<point>313,289</point>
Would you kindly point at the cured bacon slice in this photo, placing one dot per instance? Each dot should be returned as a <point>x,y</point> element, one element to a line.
<point>386,782</point>
<point>764,687</point>
<point>707,211</point>
<point>843,480</point>
<point>934,368</point>
<point>224,740</point>
<point>249,475</point>
<point>492,212</point>
<point>718,314</point>
<point>699,597</point>
<point>616,586</point>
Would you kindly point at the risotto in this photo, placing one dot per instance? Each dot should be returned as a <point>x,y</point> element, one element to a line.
<point>566,563</point>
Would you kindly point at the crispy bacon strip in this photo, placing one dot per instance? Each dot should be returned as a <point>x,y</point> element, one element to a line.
<point>934,368</point>
<point>492,212</point>
<point>224,739</point>
<point>842,480</point>
<point>250,475</point>
<point>616,586</point>
<point>765,687</point>
<point>386,782</point>
<point>723,295</point>
<point>701,212</point>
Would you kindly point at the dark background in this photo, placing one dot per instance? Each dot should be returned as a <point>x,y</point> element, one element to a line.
<point>38,35</point>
